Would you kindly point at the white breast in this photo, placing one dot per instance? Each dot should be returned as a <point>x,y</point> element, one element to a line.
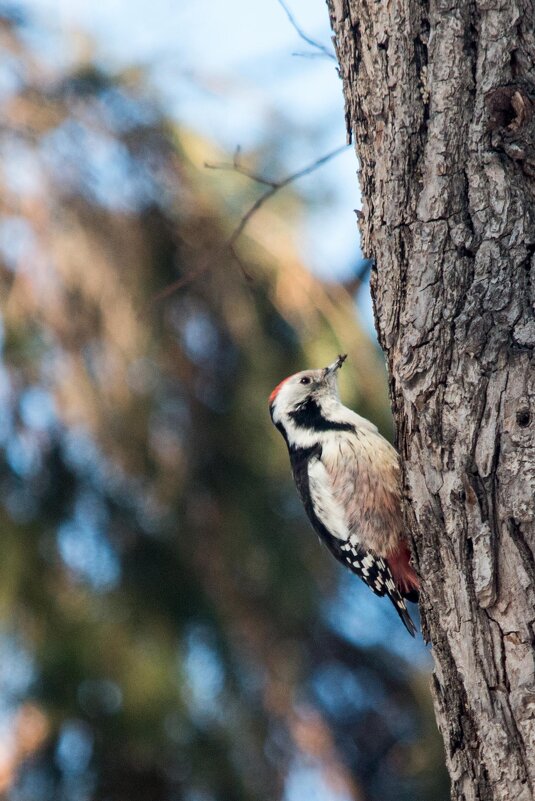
<point>327,509</point>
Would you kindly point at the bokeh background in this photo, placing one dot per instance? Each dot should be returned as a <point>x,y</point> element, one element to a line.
<point>170,628</point>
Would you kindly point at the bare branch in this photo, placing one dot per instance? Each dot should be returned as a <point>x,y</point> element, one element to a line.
<point>175,286</point>
<point>245,272</point>
<point>235,166</point>
<point>312,42</point>
<point>307,54</point>
<point>276,186</point>
<point>273,188</point>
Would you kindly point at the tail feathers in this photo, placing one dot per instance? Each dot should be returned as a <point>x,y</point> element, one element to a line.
<point>401,609</point>
<point>377,573</point>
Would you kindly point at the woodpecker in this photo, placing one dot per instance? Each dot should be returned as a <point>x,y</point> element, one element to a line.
<point>348,478</point>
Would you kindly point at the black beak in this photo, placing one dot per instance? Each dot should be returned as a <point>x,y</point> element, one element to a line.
<point>332,368</point>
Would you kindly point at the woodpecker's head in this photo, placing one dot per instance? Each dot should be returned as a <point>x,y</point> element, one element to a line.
<point>305,399</point>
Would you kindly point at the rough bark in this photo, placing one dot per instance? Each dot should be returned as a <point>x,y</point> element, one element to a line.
<point>440,99</point>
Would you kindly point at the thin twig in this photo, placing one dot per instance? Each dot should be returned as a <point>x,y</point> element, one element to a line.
<point>235,166</point>
<point>312,42</point>
<point>180,283</point>
<point>307,54</point>
<point>273,188</point>
<point>276,186</point>
<point>245,272</point>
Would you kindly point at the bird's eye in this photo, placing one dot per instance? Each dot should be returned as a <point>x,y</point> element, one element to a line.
<point>305,380</point>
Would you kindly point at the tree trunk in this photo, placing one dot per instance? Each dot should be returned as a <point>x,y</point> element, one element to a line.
<point>440,97</point>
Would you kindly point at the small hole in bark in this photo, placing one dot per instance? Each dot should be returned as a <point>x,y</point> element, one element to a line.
<point>509,108</point>
<point>499,105</point>
<point>523,418</point>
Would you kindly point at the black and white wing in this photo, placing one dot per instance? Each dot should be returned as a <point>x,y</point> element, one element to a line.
<point>328,518</point>
<point>375,572</point>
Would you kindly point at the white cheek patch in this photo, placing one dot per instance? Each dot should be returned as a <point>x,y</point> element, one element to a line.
<point>327,509</point>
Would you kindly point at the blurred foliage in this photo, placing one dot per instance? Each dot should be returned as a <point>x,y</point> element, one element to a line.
<point>165,633</point>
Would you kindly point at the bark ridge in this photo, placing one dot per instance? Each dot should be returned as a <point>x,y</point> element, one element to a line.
<point>440,101</point>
